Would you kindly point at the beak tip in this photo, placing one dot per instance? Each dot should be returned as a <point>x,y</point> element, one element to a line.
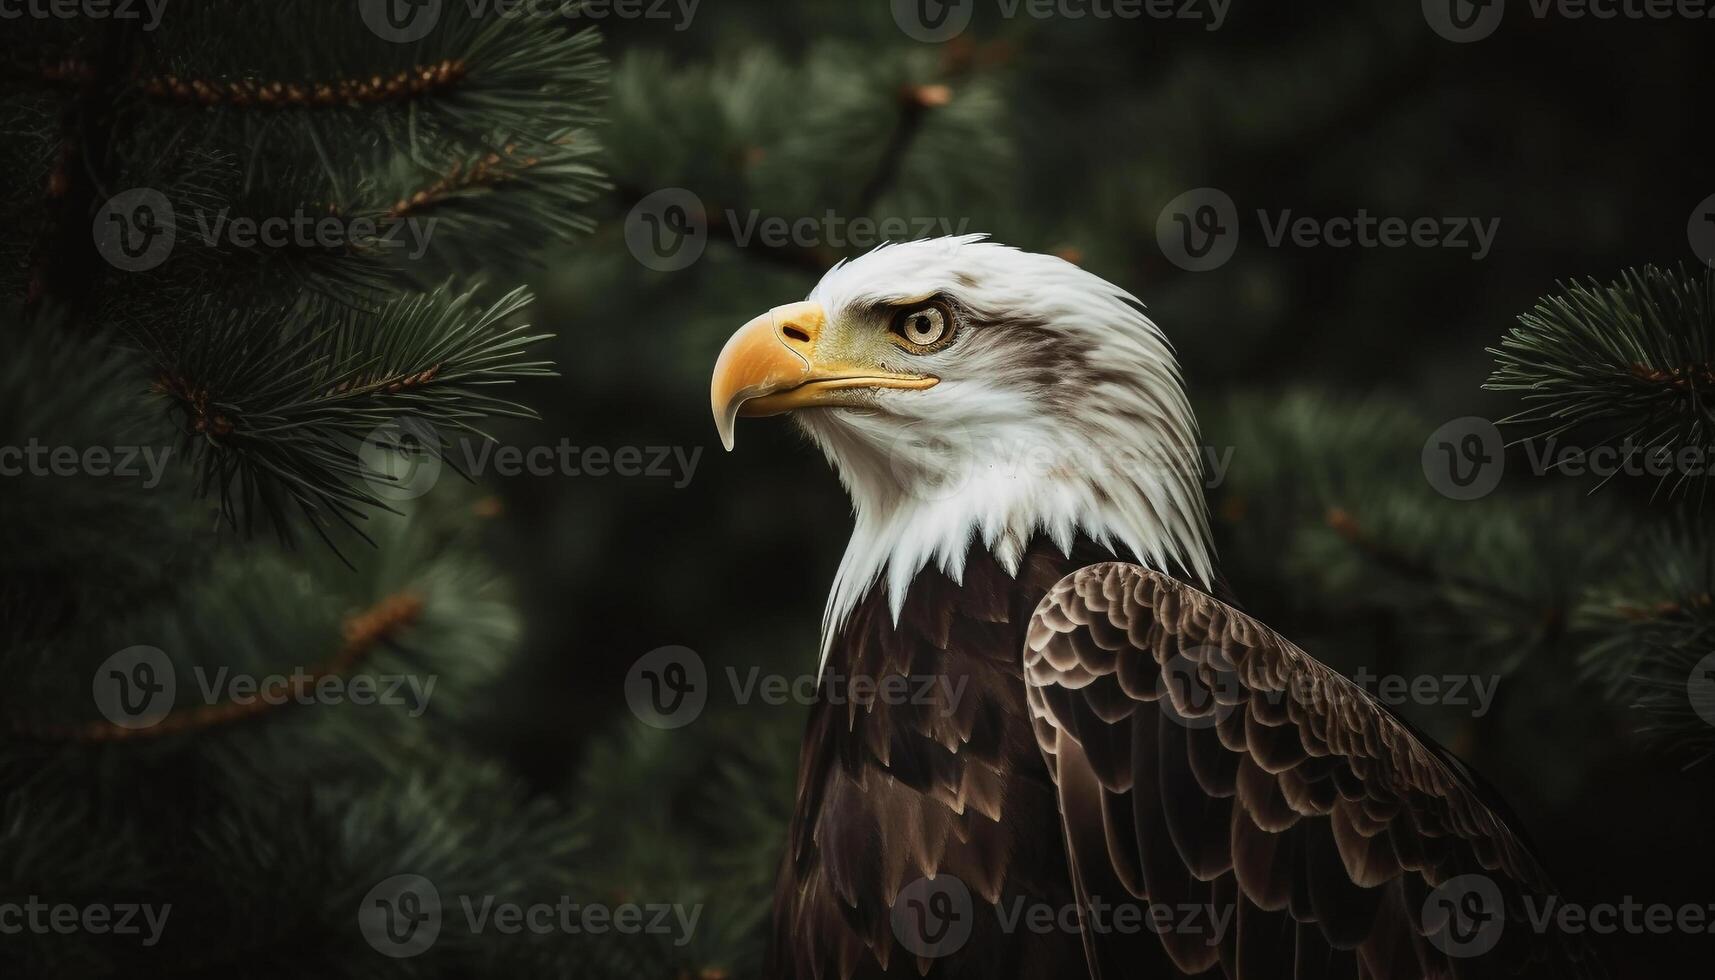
<point>724,425</point>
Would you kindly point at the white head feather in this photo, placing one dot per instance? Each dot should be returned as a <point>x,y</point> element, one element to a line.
<point>1060,411</point>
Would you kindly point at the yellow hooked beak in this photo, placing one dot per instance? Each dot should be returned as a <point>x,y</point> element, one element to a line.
<point>771,365</point>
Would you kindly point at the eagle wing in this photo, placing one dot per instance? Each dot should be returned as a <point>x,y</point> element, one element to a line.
<point>1264,816</point>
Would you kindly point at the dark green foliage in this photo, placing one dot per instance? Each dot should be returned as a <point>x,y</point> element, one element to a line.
<point>1628,367</point>
<point>284,447</point>
<point>1629,362</point>
<point>237,384</point>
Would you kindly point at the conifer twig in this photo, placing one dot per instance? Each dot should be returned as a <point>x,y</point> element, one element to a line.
<point>401,86</point>
<point>362,633</point>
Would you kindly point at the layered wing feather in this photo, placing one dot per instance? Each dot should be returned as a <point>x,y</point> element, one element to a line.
<point>1265,814</point>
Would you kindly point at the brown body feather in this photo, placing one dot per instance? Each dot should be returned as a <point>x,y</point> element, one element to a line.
<point>1269,819</point>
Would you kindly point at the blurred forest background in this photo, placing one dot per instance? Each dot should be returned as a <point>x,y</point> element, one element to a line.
<point>1323,370</point>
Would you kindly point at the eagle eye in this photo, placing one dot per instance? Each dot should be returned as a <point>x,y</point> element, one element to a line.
<point>924,328</point>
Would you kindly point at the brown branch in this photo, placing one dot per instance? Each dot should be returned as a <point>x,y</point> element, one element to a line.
<point>392,384</point>
<point>362,632</point>
<point>1343,523</point>
<point>67,70</point>
<point>65,251</point>
<point>1679,379</point>
<point>401,86</point>
<point>915,101</point>
<point>1664,609</point>
<point>493,169</point>
<point>196,402</point>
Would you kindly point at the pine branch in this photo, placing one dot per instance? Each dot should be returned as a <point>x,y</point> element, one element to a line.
<point>1417,568</point>
<point>1634,362</point>
<point>404,85</point>
<point>273,420</point>
<point>1646,629</point>
<point>363,632</point>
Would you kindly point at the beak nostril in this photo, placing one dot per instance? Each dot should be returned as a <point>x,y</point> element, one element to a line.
<point>795,333</point>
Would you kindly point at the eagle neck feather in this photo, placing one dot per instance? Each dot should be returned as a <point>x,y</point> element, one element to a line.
<point>1157,515</point>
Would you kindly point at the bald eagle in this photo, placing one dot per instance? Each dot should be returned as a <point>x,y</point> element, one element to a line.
<point>1117,774</point>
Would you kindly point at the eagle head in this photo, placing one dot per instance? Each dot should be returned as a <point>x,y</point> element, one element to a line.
<point>969,391</point>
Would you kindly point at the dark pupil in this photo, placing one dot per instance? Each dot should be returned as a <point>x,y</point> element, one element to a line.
<point>920,324</point>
